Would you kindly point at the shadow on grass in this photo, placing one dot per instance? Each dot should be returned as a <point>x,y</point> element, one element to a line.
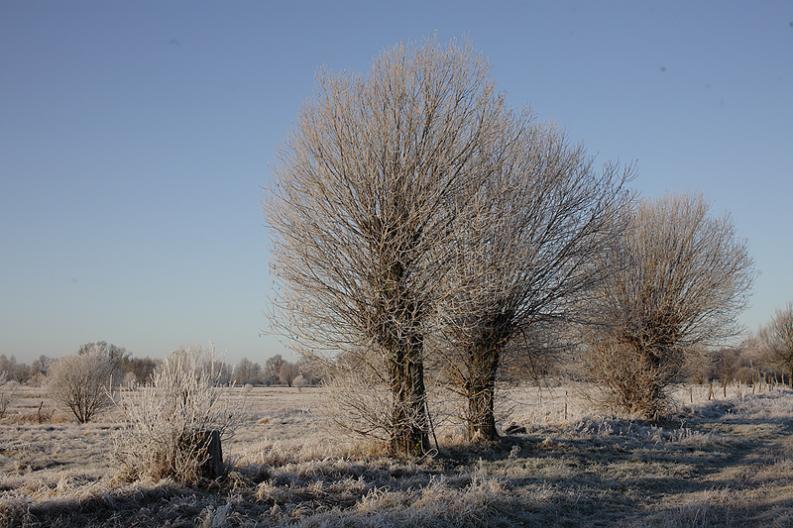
<point>631,475</point>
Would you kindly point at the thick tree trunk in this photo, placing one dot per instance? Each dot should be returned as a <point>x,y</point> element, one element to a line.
<point>481,426</point>
<point>410,433</point>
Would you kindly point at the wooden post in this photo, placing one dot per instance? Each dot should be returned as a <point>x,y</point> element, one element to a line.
<point>691,394</point>
<point>565,406</point>
<point>213,466</point>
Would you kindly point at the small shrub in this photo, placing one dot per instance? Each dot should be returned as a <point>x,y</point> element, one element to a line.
<point>83,384</point>
<point>168,424</point>
<point>630,380</point>
<point>358,403</point>
<point>6,394</point>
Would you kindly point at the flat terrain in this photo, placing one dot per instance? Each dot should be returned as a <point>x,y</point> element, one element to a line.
<point>725,462</point>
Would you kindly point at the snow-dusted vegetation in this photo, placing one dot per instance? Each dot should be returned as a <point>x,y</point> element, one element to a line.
<point>723,462</point>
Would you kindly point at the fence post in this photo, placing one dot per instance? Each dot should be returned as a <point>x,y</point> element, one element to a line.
<point>212,467</point>
<point>565,406</point>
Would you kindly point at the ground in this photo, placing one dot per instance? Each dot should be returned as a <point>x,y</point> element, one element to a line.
<point>722,462</point>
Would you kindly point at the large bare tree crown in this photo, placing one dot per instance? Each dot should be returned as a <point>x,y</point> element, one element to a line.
<point>380,174</point>
<point>366,186</point>
<point>681,276</point>
<point>416,217</point>
<point>678,279</point>
<point>523,261</point>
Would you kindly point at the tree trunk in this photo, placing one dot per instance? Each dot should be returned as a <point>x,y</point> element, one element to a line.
<point>410,431</point>
<point>481,426</point>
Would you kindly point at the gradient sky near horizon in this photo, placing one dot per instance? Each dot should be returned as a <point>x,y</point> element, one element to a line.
<point>136,140</point>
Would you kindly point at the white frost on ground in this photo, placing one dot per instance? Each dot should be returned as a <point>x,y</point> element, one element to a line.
<point>721,463</point>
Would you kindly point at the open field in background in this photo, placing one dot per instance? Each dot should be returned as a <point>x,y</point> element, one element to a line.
<point>726,462</point>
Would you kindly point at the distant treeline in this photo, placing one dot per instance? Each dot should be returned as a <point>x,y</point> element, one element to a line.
<point>748,362</point>
<point>275,371</point>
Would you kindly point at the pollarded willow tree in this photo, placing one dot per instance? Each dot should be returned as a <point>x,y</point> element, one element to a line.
<point>778,339</point>
<point>523,264</point>
<point>677,280</point>
<point>368,197</point>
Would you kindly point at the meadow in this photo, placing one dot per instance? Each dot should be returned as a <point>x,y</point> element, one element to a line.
<point>719,462</point>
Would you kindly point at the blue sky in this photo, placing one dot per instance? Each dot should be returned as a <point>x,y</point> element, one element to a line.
<point>136,140</point>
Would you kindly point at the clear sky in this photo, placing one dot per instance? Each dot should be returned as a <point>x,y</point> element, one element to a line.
<point>136,139</point>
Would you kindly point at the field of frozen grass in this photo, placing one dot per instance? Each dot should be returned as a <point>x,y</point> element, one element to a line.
<point>725,462</point>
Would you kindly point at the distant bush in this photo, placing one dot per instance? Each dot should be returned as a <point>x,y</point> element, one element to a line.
<point>14,371</point>
<point>169,425</point>
<point>247,372</point>
<point>631,382</point>
<point>288,373</point>
<point>83,384</point>
<point>141,368</point>
<point>6,394</point>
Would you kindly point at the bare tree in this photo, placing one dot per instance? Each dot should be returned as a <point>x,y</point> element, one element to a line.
<point>140,369</point>
<point>523,262</point>
<point>272,369</point>
<point>116,354</point>
<point>39,368</point>
<point>366,204</point>
<point>247,372</point>
<point>778,339</point>
<point>677,280</point>
<point>6,393</point>
<point>83,383</point>
<point>18,372</point>
<point>287,373</point>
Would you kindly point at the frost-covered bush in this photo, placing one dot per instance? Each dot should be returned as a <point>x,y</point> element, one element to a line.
<point>6,394</point>
<point>168,424</point>
<point>83,383</point>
